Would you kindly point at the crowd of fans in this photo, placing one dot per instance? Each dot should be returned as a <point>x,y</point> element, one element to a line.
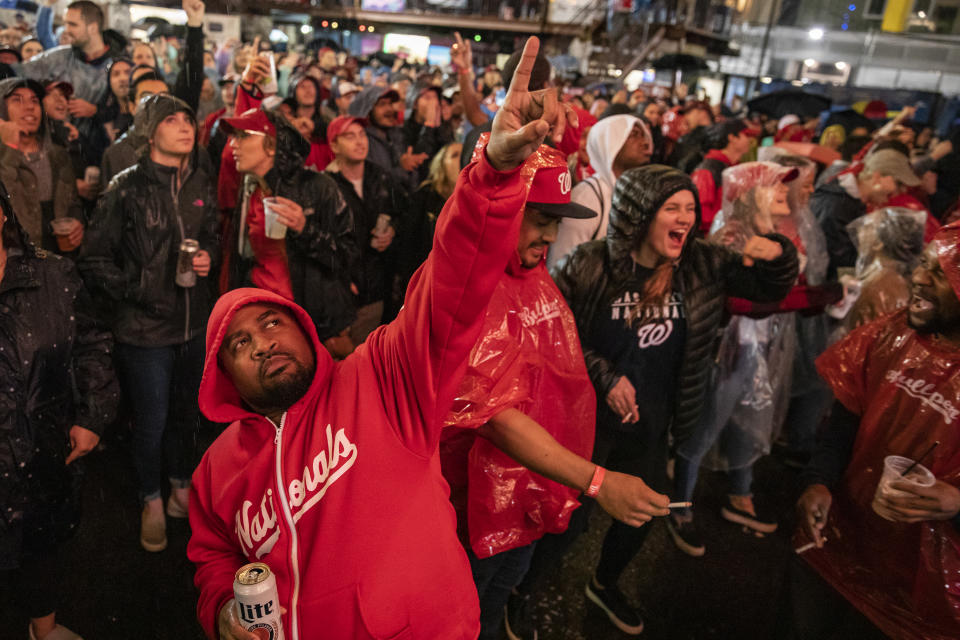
<point>678,270</point>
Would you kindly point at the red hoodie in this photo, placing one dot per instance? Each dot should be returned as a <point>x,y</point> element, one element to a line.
<point>344,500</point>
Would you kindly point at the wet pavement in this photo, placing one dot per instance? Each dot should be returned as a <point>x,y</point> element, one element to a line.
<point>113,590</point>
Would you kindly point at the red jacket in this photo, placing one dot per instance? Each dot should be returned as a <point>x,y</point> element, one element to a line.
<point>710,193</point>
<point>344,500</point>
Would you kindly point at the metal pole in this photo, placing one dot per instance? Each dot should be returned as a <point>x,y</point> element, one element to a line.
<point>774,9</point>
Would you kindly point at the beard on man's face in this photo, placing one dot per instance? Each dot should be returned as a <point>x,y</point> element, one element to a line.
<point>282,389</point>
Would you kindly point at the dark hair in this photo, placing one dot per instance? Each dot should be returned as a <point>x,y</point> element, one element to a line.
<point>852,146</point>
<point>149,75</point>
<point>616,109</point>
<point>539,75</point>
<point>90,11</point>
<point>718,135</point>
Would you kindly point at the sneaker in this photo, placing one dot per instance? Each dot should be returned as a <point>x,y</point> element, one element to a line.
<point>59,632</point>
<point>615,605</point>
<point>686,535</point>
<point>153,530</point>
<point>518,617</point>
<point>749,518</point>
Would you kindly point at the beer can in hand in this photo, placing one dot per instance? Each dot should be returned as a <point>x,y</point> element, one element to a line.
<point>186,276</point>
<point>258,605</point>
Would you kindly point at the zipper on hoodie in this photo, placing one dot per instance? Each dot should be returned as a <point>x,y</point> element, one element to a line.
<point>175,195</point>
<point>288,516</point>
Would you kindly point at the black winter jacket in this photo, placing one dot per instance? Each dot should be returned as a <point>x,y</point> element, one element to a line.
<point>374,271</point>
<point>56,371</point>
<point>707,274</point>
<point>129,255</point>
<point>834,209</point>
<point>322,257</point>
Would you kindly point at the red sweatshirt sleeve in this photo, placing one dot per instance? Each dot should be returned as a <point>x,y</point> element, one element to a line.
<point>212,551</point>
<point>707,192</point>
<point>421,357</point>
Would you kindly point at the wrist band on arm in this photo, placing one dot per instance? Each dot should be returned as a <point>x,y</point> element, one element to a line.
<point>596,481</point>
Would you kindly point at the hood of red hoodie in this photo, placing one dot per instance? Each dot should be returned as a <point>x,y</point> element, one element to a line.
<point>219,399</point>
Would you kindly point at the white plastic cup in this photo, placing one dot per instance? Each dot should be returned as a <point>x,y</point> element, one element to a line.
<point>269,84</point>
<point>273,228</point>
<point>893,466</point>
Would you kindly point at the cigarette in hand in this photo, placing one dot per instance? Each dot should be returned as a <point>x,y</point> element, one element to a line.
<point>807,547</point>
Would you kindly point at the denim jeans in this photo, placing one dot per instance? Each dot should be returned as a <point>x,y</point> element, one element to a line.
<point>495,577</point>
<point>162,384</point>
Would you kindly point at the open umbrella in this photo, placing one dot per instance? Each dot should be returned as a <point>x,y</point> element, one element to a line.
<point>849,120</point>
<point>777,104</point>
<point>680,62</point>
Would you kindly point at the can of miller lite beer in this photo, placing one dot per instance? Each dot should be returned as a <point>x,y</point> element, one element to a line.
<point>258,604</point>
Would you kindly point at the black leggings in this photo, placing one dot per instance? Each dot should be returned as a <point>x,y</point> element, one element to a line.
<point>641,452</point>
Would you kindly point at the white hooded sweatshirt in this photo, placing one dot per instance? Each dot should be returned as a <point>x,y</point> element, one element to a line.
<point>596,192</point>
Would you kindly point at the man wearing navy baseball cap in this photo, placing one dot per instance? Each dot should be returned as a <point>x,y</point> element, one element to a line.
<point>517,454</point>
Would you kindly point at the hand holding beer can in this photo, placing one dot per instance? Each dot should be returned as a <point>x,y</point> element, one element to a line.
<point>258,604</point>
<point>186,277</point>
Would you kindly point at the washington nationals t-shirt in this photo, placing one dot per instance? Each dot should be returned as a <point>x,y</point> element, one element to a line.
<point>646,346</point>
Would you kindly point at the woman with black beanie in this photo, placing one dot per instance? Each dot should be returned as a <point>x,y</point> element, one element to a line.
<point>648,301</point>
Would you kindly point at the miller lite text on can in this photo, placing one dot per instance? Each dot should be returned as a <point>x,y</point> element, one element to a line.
<point>258,604</point>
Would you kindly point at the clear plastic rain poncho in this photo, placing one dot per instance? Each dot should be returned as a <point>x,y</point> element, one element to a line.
<point>751,378</point>
<point>812,329</point>
<point>889,243</point>
<point>905,387</point>
<point>801,225</point>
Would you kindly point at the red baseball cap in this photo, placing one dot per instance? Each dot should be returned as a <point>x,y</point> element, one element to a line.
<point>550,194</point>
<point>253,122</point>
<point>339,124</point>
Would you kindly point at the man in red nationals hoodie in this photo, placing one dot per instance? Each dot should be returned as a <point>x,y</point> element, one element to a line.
<point>328,472</point>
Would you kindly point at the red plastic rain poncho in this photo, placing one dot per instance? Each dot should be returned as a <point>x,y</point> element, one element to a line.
<point>906,388</point>
<point>528,358</point>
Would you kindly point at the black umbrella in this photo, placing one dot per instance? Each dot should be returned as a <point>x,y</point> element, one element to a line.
<point>849,120</point>
<point>680,62</point>
<point>777,104</point>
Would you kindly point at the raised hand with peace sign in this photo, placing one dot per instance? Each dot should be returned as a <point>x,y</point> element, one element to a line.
<point>526,117</point>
